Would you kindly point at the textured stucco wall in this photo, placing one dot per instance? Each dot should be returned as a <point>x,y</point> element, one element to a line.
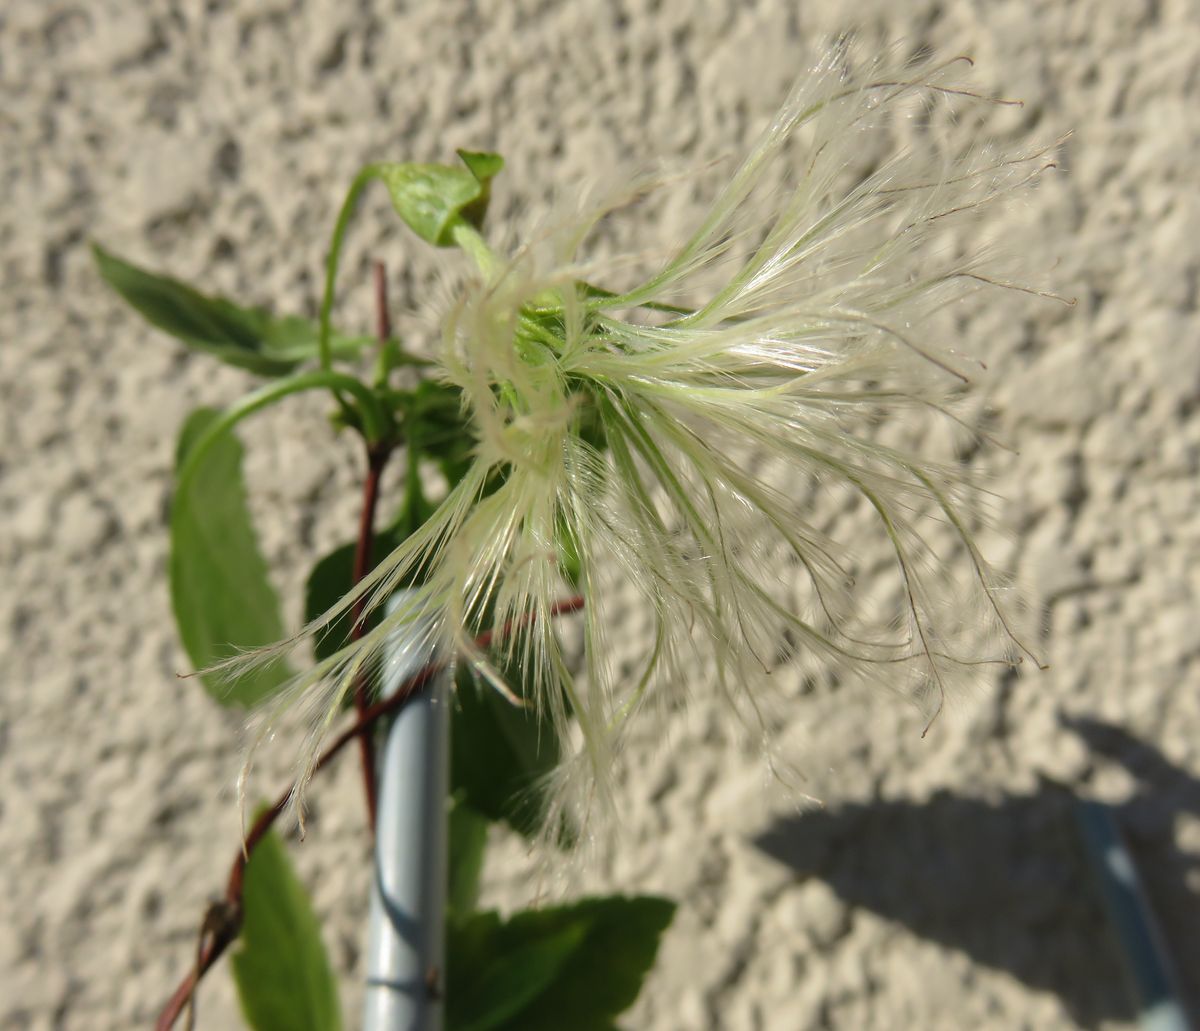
<point>942,886</point>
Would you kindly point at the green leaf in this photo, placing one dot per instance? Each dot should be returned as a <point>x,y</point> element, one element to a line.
<point>509,971</point>
<point>220,592</point>
<point>433,198</point>
<point>328,582</point>
<point>499,755</point>
<point>467,842</point>
<point>601,978</point>
<point>570,563</point>
<point>439,429</point>
<point>333,576</point>
<point>432,419</point>
<point>575,966</point>
<point>470,946</point>
<point>283,976</point>
<point>482,165</point>
<point>294,338</point>
<point>249,338</point>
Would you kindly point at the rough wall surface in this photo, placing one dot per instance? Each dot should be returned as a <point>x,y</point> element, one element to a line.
<point>942,886</point>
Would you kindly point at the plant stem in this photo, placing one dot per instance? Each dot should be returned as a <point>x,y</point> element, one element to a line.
<point>377,459</point>
<point>467,237</point>
<point>383,318</point>
<point>375,419</point>
<point>220,938</point>
<point>335,252</point>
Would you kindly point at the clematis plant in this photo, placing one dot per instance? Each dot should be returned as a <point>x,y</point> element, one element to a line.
<point>662,434</point>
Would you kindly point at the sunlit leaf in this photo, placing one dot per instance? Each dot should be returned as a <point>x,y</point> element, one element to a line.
<point>220,591</point>
<point>250,338</point>
<point>283,976</point>
<point>432,198</point>
<point>333,576</point>
<point>509,971</point>
<point>602,977</point>
<point>576,966</point>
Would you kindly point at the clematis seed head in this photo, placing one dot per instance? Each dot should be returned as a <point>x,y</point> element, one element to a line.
<point>671,434</point>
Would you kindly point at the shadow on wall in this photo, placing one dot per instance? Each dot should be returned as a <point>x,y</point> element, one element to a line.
<point>1008,882</point>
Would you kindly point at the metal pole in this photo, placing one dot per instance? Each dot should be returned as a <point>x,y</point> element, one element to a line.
<point>405,952</point>
<point>1146,955</point>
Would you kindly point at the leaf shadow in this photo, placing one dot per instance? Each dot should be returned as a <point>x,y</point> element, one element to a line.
<point>1007,881</point>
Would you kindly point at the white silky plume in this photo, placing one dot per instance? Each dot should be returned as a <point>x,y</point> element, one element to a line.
<point>630,429</point>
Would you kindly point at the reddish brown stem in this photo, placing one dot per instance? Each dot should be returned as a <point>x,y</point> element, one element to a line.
<point>377,458</point>
<point>225,932</point>
<point>383,318</point>
<point>219,941</point>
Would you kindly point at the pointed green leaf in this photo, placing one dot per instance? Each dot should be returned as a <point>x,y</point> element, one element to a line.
<point>470,946</point>
<point>484,167</point>
<point>439,428</point>
<point>576,966</point>
<point>435,427</point>
<point>602,977</point>
<point>222,597</point>
<point>430,197</point>
<point>508,972</point>
<point>467,842</point>
<point>283,976</point>
<point>327,583</point>
<point>294,338</point>
<point>249,338</point>
<point>570,563</point>
<point>481,164</point>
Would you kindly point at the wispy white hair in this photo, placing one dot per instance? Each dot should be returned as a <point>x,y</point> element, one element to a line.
<point>636,429</point>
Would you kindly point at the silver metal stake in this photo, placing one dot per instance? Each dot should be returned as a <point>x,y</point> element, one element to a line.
<point>1146,955</point>
<point>405,953</point>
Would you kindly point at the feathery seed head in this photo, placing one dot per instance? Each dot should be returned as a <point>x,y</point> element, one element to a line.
<point>631,429</point>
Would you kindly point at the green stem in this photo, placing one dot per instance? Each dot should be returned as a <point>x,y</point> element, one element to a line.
<point>467,237</point>
<point>335,251</point>
<point>374,417</point>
